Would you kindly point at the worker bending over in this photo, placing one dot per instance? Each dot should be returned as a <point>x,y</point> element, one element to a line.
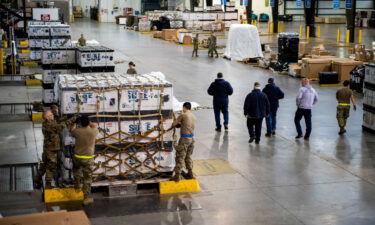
<point>184,149</point>
<point>83,159</point>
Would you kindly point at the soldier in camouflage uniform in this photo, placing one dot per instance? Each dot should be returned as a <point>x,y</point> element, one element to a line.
<point>196,45</point>
<point>51,131</point>
<point>84,149</point>
<point>82,41</point>
<point>212,46</point>
<point>184,149</point>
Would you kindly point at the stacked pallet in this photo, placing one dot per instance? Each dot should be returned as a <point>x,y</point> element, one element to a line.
<point>46,35</point>
<point>369,99</point>
<point>134,116</point>
<point>92,59</point>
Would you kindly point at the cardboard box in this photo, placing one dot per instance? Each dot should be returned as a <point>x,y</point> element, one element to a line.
<point>168,34</point>
<point>158,34</point>
<point>319,19</point>
<point>343,67</point>
<point>188,40</point>
<point>294,70</point>
<point>360,56</point>
<point>302,48</point>
<point>369,55</point>
<point>312,67</point>
<point>335,20</point>
<point>48,218</point>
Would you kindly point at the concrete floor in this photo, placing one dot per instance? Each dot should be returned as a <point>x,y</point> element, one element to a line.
<point>327,180</point>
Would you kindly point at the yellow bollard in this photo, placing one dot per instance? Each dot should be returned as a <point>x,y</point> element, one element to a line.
<point>318,32</point>
<point>300,31</point>
<point>72,18</point>
<point>99,18</point>
<point>347,38</point>
<point>2,61</point>
<point>282,27</point>
<point>307,32</point>
<point>5,44</point>
<point>338,38</point>
<point>271,28</point>
<point>278,27</point>
<point>360,36</point>
<point>255,22</point>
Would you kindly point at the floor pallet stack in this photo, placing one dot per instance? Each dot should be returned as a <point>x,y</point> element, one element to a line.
<point>93,59</point>
<point>134,116</point>
<point>56,61</point>
<point>44,34</point>
<point>369,99</point>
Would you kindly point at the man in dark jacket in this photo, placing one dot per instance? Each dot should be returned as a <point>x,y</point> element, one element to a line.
<point>220,89</point>
<point>256,107</point>
<point>274,94</point>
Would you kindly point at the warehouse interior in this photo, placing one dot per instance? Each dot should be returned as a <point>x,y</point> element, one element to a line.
<point>76,55</point>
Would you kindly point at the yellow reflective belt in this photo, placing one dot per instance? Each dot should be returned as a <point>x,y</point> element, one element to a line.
<point>344,104</point>
<point>84,156</point>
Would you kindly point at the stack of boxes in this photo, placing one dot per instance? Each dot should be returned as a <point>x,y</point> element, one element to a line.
<point>45,35</point>
<point>95,59</point>
<point>134,116</point>
<point>369,99</point>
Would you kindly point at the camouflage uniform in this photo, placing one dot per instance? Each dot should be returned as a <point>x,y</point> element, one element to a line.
<point>82,41</point>
<point>212,46</point>
<point>51,131</point>
<point>196,46</point>
<point>83,166</point>
<point>184,150</point>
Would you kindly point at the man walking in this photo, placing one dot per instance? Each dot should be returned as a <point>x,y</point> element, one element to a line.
<point>184,149</point>
<point>220,89</point>
<point>274,94</point>
<point>306,98</point>
<point>195,45</point>
<point>343,96</point>
<point>256,107</point>
<point>83,159</point>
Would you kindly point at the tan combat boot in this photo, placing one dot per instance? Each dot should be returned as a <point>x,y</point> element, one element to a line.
<point>88,201</point>
<point>190,175</point>
<point>48,185</point>
<point>176,177</point>
<point>77,186</point>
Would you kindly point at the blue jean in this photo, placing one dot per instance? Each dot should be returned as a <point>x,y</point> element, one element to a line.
<point>271,121</point>
<point>221,108</point>
<point>306,113</point>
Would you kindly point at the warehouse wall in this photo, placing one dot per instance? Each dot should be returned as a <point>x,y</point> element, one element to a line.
<point>108,10</point>
<point>85,4</point>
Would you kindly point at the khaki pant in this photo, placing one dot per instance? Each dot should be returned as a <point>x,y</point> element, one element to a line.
<point>342,115</point>
<point>82,173</point>
<point>48,165</point>
<point>184,150</point>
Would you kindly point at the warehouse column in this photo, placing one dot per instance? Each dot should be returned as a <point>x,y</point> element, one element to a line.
<point>249,11</point>
<point>310,16</point>
<point>351,6</point>
<point>275,14</point>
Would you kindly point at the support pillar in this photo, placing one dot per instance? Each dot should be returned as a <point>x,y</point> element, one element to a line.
<point>350,16</point>
<point>310,16</point>
<point>275,14</point>
<point>249,11</point>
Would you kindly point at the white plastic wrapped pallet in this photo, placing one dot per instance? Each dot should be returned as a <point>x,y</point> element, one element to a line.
<point>94,56</point>
<point>49,76</point>
<point>58,56</point>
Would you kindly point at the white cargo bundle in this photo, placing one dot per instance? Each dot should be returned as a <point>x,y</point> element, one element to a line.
<point>116,164</point>
<point>60,42</point>
<point>60,55</point>
<point>35,54</point>
<point>144,25</point>
<point>95,56</point>
<point>39,43</point>
<point>60,30</point>
<point>144,91</point>
<point>39,30</point>
<point>48,96</point>
<point>49,76</point>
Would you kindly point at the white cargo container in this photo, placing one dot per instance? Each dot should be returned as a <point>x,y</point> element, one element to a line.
<point>39,43</point>
<point>144,91</point>
<point>48,96</point>
<point>60,30</point>
<point>61,42</point>
<point>95,56</point>
<point>35,54</point>
<point>49,76</point>
<point>59,55</point>
<point>38,30</point>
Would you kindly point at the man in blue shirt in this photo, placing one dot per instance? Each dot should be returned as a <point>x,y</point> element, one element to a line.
<point>274,94</point>
<point>220,89</point>
<point>256,107</point>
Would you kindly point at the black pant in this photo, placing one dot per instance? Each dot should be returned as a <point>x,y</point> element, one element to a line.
<point>297,118</point>
<point>221,108</point>
<point>257,124</point>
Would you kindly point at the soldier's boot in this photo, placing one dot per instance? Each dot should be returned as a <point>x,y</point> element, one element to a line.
<point>176,177</point>
<point>48,185</point>
<point>37,182</point>
<point>190,175</point>
<point>77,185</point>
<point>342,130</point>
<point>88,201</point>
